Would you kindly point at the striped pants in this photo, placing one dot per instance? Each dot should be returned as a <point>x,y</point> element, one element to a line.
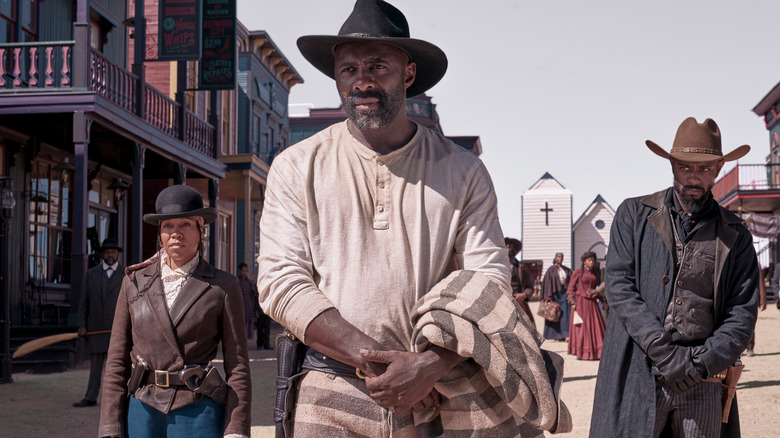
<point>693,414</point>
<point>334,406</point>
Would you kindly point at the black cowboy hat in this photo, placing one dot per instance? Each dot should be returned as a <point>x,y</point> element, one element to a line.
<point>109,243</point>
<point>180,201</point>
<point>698,142</point>
<point>378,21</point>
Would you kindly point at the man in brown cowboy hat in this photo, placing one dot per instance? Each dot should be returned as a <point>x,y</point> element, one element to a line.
<point>681,281</point>
<point>364,219</point>
<point>96,313</point>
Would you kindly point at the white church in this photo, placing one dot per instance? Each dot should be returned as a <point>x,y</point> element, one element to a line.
<point>548,226</point>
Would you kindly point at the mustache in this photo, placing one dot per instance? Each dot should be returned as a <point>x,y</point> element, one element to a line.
<point>368,94</point>
<point>689,187</point>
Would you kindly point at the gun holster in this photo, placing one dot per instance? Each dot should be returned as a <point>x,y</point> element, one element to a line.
<point>212,386</point>
<point>290,354</point>
<point>137,374</point>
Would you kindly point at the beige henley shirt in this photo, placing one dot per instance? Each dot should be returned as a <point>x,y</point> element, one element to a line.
<point>370,234</point>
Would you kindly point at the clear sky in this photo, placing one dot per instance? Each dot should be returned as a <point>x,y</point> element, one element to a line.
<point>570,87</point>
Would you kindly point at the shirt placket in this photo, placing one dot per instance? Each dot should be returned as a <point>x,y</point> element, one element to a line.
<point>382,198</point>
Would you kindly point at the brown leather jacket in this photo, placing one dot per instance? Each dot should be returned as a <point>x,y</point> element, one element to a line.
<point>208,310</point>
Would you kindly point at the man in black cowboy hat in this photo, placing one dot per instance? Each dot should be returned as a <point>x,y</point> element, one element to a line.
<point>96,313</point>
<point>681,281</point>
<point>362,220</point>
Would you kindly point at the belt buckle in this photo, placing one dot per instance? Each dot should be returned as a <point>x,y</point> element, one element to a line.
<point>157,374</point>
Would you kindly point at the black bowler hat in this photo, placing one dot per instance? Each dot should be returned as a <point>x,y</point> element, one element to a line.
<point>109,243</point>
<point>380,22</point>
<point>180,201</point>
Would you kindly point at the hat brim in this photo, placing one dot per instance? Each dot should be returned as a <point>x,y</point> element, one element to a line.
<point>118,248</point>
<point>431,60</point>
<point>208,214</point>
<point>736,154</point>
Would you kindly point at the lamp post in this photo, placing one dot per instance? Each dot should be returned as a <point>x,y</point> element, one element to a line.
<point>7,203</point>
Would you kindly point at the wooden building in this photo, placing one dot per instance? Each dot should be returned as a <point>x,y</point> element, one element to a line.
<point>91,130</point>
<point>591,230</point>
<point>547,222</point>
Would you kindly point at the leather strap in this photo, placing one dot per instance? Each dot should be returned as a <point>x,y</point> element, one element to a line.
<point>165,379</point>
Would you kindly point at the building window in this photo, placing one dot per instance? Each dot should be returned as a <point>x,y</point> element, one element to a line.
<point>50,232</point>
<point>223,243</point>
<point>18,15</point>
<point>600,224</point>
<point>102,219</point>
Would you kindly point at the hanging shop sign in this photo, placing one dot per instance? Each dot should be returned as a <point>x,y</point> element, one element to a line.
<point>218,64</point>
<point>180,30</point>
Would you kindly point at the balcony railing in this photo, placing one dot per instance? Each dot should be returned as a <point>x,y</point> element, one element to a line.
<point>38,65</point>
<point>48,66</point>
<point>112,82</point>
<point>747,177</point>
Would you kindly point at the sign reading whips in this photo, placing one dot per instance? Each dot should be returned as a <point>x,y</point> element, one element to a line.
<point>218,65</point>
<point>180,29</point>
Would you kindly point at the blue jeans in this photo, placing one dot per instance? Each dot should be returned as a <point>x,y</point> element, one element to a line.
<point>204,418</point>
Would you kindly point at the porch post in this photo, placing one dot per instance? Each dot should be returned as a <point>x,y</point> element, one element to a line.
<point>180,174</point>
<point>137,205</point>
<point>80,56</point>
<point>139,56</point>
<point>78,258</point>
<point>213,200</point>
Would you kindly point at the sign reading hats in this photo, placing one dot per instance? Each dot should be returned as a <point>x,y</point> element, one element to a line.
<point>177,202</point>
<point>377,21</point>
<point>698,142</point>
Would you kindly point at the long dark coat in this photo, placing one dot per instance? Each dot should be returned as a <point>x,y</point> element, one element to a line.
<point>207,312</point>
<point>98,303</point>
<point>639,279</point>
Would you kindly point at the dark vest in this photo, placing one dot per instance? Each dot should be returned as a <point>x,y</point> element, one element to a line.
<point>690,314</point>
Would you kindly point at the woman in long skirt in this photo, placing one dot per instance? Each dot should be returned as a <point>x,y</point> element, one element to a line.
<point>586,333</point>
<point>554,285</point>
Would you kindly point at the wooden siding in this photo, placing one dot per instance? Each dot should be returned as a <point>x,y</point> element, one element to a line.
<point>587,236</point>
<point>542,240</point>
<point>56,20</point>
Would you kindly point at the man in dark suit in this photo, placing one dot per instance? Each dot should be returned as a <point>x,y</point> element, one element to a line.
<point>96,313</point>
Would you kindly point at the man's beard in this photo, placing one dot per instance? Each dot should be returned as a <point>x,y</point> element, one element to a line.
<point>692,205</point>
<point>388,107</point>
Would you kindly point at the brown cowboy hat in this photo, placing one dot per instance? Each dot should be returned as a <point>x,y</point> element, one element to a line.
<point>377,21</point>
<point>179,201</point>
<point>698,142</point>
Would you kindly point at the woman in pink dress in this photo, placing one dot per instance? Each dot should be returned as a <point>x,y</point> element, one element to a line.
<point>585,337</point>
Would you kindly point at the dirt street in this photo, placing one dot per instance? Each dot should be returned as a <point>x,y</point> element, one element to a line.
<point>40,405</point>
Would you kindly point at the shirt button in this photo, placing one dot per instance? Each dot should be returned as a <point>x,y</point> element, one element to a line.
<point>381,185</point>
<point>178,360</point>
<point>679,283</point>
<point>678,301</point>
<point>381,163</point>
<point>665,279</point>
<point>380,209</point>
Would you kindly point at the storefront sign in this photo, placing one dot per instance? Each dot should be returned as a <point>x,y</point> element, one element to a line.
<point>218,65</point>
<point>179,29</point>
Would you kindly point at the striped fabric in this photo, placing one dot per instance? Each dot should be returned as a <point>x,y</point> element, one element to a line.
<point>506,389</point>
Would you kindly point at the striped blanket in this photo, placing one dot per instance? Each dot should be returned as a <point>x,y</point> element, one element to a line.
<point>509,387</point>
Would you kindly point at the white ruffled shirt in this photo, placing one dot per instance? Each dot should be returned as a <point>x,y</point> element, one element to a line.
<point>173,279</point>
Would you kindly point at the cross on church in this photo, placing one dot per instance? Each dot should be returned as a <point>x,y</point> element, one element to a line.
<point>546,211</point>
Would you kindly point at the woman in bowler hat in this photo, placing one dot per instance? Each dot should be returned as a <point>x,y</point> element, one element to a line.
<point>173,311</point>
